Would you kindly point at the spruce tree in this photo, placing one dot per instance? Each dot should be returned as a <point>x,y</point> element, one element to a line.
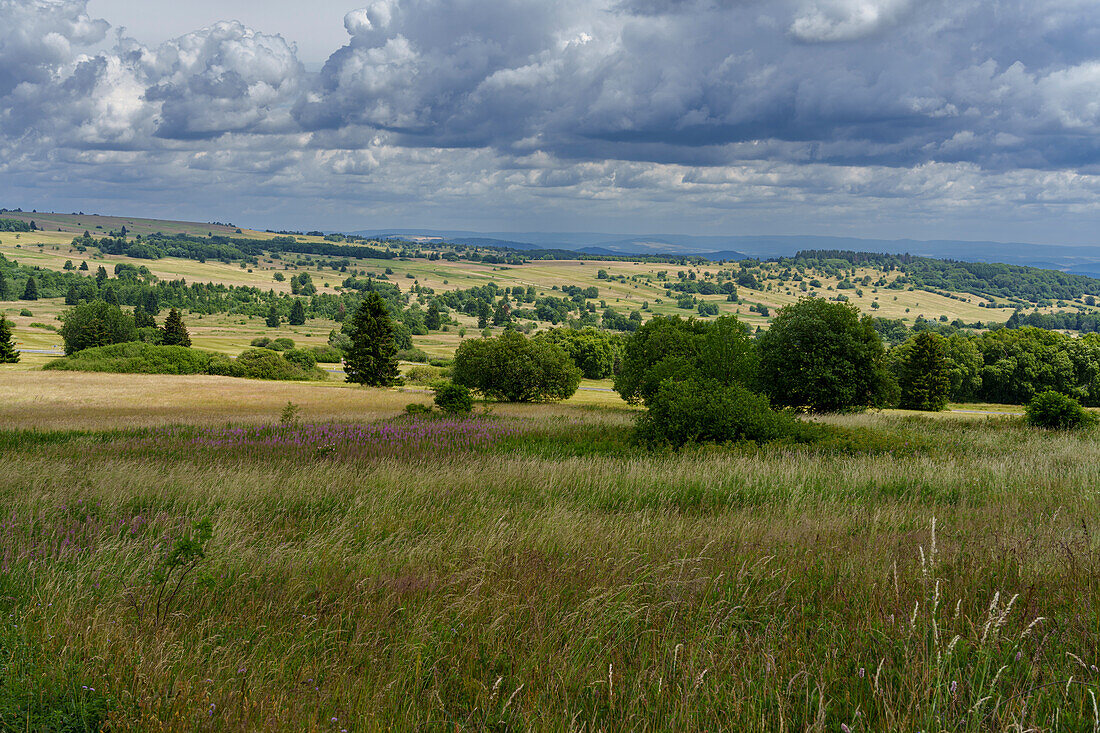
<point>372,357</point>
<point>31,291</point>
<point>101,276</point>
<point>150,303</point>
<point>433,320</point>
<point>72,296</point>
<point>297,313</point>
<point>5,287</point>
<point>273,319</point>
<point>8,354</point>
<point>175,333</point>
<point>83,266</point>
<point>924,375</point>
<point>142,319</point>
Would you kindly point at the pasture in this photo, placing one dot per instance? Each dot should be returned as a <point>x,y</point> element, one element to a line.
<point>529,568</point>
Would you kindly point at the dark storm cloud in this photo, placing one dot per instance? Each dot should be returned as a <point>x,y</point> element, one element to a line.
<point>817,101</point>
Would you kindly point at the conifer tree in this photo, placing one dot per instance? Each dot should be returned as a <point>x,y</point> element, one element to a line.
<point>30,292</point>
<point>273,319</point>
<point>5,287</point>
<point>101,276</point>
<point>142,319</point>
<point>372,357</point>
<point>110,296</point>
<point>433,319</point>
<point>297,313</point>
<point>8,354</point>
<point>175,333</point>
<point>923,375</point>
<point>83,266</point>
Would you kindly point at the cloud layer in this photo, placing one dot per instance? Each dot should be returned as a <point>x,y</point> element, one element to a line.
<point>884,117</point>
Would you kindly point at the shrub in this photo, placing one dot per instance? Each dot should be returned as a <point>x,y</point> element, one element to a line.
<point>263,342</point>
<point>514,368</point>
<point>453,399</point>
<point>302,357</point>
<point>96,324</point>
<point>267,364</point>
<point>1056,411</point>
<point>421,374</point>
<point>26,312</point>
<point>705,410</point>
<point>413,355</point>
<point>327,354</point>
<point>135,358</point>
<point>415,408</point>
<point>282,344</point>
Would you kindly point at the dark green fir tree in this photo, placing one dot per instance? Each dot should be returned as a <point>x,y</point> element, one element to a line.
<point>372,358</point>
<point>5,287</point>
<point>8,354</point>
<point>30,292</point>
<point>297,313</point>
<point>273,319</point>
<point>175,333</point>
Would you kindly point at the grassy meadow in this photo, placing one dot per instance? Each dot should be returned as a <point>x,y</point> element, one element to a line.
<point>529,568</point>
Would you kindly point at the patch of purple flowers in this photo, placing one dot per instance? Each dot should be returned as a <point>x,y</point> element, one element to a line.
<point>345,440</point>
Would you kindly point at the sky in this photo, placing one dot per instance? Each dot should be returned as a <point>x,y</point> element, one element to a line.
<point>925,119</point>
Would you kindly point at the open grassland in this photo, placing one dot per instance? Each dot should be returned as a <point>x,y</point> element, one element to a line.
<point>641,289</point>
<point>532,569</point>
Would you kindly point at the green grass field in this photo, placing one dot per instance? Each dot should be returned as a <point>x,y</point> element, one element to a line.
<point>531,568</point>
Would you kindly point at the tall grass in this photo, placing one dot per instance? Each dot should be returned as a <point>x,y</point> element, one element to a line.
<point>525,582</point>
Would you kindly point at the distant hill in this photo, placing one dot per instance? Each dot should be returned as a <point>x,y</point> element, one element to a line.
<point>1080,259</point>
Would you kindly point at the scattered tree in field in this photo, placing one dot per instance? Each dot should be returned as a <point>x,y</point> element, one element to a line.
<point>516,369</point>
<point>453,399</point>
<point>594,352</point>
<point>175,333</point>
<point>8,354</point>
<point>273,320</point>
<point>677,349</point>
<point>96,324</point>
<point>823,356</point>
<point>83,266</point>
<point>30,292</point>
<point>1056,411</point>
<point>433,319</point>
<point>924,373</point>
<point>297,313</point>
<point>372,357</point>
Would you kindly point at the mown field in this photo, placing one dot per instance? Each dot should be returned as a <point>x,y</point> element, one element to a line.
<point>530,568</point>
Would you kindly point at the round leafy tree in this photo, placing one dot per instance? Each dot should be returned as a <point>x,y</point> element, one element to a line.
<point>1056,411</point>
<point>924,372</point>
<point>453,399</point>
<point>824,357</point>
<point>514,368</point>
<point>96,324</point>
<point>8,354</point>
<point>175,333</point>
<point>372,357</point>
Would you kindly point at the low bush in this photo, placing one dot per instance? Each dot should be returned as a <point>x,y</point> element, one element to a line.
<point>415,408</point>
<point>282,344</point>
<point>414,355</point>
<point>261,342</point>
<point>1056,411</point>
<point>421,375</point>
<point>26,312</point>
<point>46,326</point>
<point>327,354</point>
<point>302,357</point>
<point>268,364</point>
<point>705,410</point>
<point>135,357</point>
<point>453,399</point>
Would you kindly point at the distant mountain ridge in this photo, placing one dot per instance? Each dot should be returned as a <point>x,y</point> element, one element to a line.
<point>1078,259</point>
